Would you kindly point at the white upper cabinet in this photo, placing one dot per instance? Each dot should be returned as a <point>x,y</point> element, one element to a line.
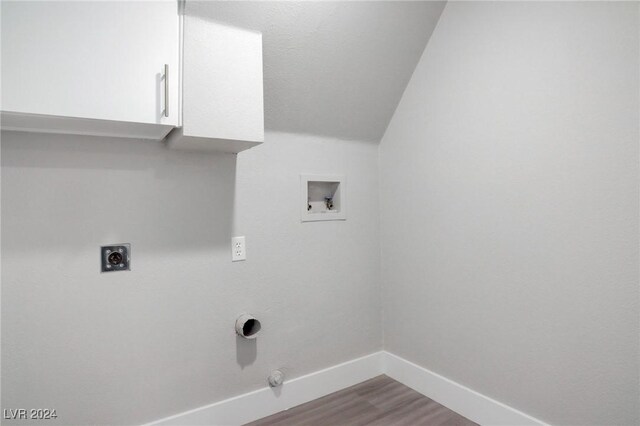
<point>222,88</point>
<point>68,63</point>
<point>113,68</point>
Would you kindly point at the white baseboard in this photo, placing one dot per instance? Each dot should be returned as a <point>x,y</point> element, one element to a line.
<point>266,401</point>
<point>464,401</point>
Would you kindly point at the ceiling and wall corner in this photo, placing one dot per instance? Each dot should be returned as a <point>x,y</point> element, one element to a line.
<point>335,69</point>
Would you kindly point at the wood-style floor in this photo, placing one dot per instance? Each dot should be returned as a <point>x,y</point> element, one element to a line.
<point>380,401</point>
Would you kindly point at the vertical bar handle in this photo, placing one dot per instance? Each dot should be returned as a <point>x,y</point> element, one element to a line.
<point>166,90</point>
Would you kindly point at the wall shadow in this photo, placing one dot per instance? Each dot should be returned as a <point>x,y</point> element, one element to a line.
<point>73,190</point>
<point>246,351</point>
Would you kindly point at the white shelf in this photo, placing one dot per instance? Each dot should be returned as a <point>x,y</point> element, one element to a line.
<point>38,123</point>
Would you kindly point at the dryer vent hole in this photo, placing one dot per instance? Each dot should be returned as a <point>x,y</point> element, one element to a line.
<point>251,327</point>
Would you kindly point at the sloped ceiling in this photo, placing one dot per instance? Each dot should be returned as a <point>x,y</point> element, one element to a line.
<point>332,68</point>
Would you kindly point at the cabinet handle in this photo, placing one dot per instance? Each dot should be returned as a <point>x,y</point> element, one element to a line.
<point>166,90</point>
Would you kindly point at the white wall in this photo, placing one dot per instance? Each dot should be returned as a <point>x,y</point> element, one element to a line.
<point>333,68</point>
<point>131,347</point>
<point>509,220</point>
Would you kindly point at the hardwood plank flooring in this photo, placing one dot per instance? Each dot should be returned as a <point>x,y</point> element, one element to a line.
<point>380,401</point>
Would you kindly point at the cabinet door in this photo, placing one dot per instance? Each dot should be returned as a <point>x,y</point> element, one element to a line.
<point>223,95</point>
<point>100,60</point>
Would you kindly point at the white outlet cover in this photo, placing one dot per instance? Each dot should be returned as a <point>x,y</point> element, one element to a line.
<point>238,249</point>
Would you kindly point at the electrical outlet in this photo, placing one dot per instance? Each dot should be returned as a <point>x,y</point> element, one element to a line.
<point>116,257</point>
<point>238,249</point>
